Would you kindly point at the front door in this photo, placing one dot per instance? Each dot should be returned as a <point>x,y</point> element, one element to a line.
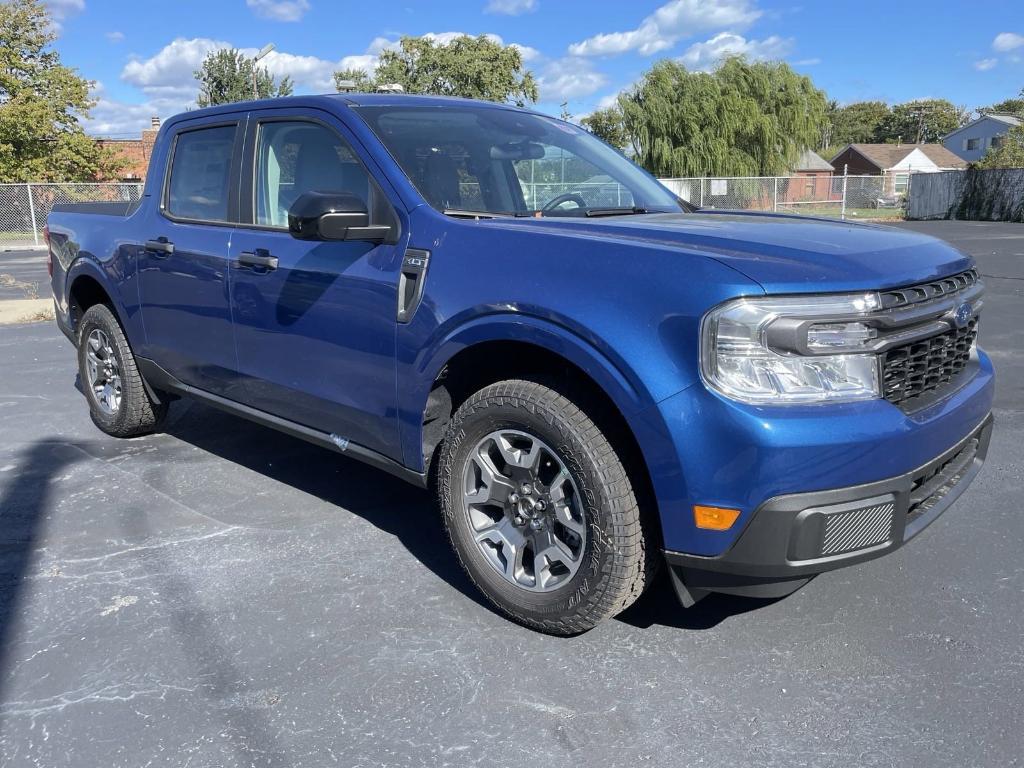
<point>314,321</point>
<point>183,261</point>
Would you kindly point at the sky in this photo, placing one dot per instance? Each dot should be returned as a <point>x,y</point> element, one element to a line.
<point>141,53</point>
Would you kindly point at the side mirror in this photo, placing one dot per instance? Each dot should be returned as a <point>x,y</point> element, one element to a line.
<point>333,216</point>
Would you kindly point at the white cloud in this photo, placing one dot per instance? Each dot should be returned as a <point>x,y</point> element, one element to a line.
<point>168,85</point>
<point>61,10</point>
<point>1007,41</point>
<point>669,24</point>
<point>279,10</point>
<point>567,79</point>
<point>115,36</point>
<point>511,7</point>
<point>704,56</point>
<point>983,65</point>
<point>610,100</point>
<point>807,62</point>
<point>526,52</point>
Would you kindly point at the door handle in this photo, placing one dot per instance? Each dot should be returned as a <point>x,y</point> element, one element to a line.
<point>161,247</point>
<point>259,258</point>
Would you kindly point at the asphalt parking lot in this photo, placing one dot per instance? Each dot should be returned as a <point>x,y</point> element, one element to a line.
<point>223,595</point>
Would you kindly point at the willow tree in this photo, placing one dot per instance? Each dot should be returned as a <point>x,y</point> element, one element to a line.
<point>743,119</point>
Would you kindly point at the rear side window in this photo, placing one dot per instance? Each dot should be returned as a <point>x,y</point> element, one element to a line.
<point>200,174</point>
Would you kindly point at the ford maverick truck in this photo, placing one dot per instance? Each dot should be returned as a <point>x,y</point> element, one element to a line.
<point>595,378</point>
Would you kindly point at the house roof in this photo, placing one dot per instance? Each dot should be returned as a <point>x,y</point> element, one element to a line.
<point>885,156</point>
<point>1000,117</point>
<point>811,161</point>
<point>1004,117</point>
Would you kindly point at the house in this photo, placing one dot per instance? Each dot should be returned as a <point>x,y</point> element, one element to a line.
<point>896,162</point>
<point>136,152</point>
<point>810,180</point>
<point>973,140</point>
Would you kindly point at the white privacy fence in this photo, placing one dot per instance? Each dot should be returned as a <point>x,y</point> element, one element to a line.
<point>24,207</point>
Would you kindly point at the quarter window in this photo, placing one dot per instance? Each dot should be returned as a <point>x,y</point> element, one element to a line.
<point>200,174</point>
<point>294,157</point>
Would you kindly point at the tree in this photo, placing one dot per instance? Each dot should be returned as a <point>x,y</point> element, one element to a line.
<point>41,103</point>
<point>920,122</point>
<point>1008,106</point>
<point>1009,153</point>
<point>471,67</point>
<point>607,125</point>
<point>743,119</point>
<point>352,79</point>
<point>226,75</point>
<point>855,123</point>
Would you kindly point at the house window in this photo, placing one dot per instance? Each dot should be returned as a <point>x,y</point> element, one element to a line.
<point>973,144</point>
<point>900,182</point>
<point>996,141</point>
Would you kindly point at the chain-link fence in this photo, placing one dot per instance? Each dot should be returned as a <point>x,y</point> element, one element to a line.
<point>817,195</point>
<point>24,207</point>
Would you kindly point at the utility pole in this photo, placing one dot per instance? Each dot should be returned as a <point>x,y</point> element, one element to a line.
<point>256,59</point>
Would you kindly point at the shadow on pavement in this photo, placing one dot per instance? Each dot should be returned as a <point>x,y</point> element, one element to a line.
<point>23,509</point>
<point>392,505</point>
<point>659,605</point>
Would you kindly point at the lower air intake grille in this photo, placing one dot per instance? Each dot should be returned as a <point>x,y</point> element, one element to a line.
<point>857,528</point>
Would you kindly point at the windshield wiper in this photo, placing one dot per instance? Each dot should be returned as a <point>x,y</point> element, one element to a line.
<point>625,211</point>
<point>458,213</point>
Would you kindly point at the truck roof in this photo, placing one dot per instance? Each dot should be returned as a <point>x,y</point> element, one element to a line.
<point>349,99</point>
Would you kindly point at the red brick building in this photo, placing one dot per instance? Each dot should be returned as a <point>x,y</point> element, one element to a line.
<point>136,153</point>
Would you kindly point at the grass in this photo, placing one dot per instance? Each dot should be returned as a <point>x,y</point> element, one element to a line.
<point>852,214</point>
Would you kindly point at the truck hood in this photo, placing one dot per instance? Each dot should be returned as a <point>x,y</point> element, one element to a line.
<point>783,253</point>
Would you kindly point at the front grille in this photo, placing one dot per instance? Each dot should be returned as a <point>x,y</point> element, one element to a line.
<point>915,294</point>
<point>922,366</point>
<point>929,488</point>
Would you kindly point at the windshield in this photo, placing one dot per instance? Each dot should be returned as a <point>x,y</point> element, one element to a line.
<point>469,159</point>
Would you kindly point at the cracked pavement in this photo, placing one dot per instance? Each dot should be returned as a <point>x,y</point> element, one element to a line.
<point>223,595</point>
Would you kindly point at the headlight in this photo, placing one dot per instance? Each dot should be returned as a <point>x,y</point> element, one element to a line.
<point>738,360</point>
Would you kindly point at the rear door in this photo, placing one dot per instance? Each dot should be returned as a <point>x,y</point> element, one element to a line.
<point>315,332</point>
<point>183,259</point>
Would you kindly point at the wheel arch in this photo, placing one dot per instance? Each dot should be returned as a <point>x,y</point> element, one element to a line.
<point>495,349</point>
<point>87,286</point>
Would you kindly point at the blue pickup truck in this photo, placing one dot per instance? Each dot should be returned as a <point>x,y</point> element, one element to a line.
<point>596,379</point>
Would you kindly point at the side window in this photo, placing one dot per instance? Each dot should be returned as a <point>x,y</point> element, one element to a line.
<point>200,174</point>
<point>293,157</point>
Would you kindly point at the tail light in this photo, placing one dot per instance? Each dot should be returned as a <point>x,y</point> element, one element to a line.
<point>49,251</point>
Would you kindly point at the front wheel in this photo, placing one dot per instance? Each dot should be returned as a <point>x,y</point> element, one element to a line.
<point>118,402</point>
<point>540,510</point>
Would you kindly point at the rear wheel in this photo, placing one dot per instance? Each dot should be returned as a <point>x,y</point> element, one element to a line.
<point>540,510</point>
<point>118,401</point>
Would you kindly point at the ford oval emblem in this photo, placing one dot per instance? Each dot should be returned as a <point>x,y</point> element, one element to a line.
<point>962,315</point>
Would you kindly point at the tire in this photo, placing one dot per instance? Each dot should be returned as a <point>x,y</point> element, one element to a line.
<point>592,523</point>
<point>123,408</point>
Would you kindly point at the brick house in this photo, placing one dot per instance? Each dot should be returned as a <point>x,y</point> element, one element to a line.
<point>810,180</point>
<point>896,162</point>
<point>135,151</point>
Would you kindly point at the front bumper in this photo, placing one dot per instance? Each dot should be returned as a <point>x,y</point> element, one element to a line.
<point>792,537</point>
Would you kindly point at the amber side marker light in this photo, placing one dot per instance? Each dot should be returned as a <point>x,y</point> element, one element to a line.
<point>714,518</point>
